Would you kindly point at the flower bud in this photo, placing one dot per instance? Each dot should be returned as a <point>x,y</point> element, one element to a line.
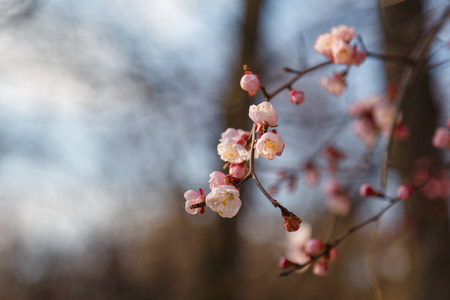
<point>313,246</point>
<point>321,268</point>
<point>404,191</point>
<point>290,221</point>
<point>250,83</point>
<point>285,263</point>
<point>366,190</point>
<point>441,138</point>
<point>297,97</point>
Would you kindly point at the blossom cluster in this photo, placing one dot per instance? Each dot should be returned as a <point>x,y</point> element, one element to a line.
<point>301,248</point>
<point>374,117</point>
<point>235,149</point>
<point>335,45</point>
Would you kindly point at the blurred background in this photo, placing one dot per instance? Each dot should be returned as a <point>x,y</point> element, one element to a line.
<point>110,110</point>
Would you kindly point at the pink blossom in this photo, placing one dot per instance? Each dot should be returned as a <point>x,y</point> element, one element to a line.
<point>404,191</point>
<point>234,135</point>
<point>342,32</point>
<point>320,268</point>
<point>366,131</point>
<point>295,246</point>
<point>313,247</point>
<point>342,53</point>
<point>332,186</point>
<point>336,198</point>
<point>334,84</point>
<point>263,113</point>
<point>311,174</point>
<point>194,198</point>
<point>250,83</point>
<point>224,200</point>
<point>338,204</point>
<point>297,97</point>
<point>441,138</point>
<point>232,152</point>
<point>238,170</point>
<point>363,108</point>
<point>323,44</point>
<point>270,145</point>
<point>383,115</point>
<point>217,179</point>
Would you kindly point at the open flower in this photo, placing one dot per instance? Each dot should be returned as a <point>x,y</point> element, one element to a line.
<point>232,152</point>
<point>270,145</point>
<point>342,32</point>
<point>263,113</point>
<point>194,202</point>
<point>323,44</point>
<point>342,53</point>
<point>334,84</point>
<point>237,136</point>
<point>224,200</point>
<point>295,245</point>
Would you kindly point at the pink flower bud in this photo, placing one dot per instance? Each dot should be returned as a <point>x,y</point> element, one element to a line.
<point>238,170</point>
<point>404,191</point>
<point>401,132</point>
<point>366,190</point>
<point>297,97</point>
<point>290,221</point>
<point>332,254</point>
<point>250,83</point>
<point>441,138</point>
<point>313,247</point>
<point>321,268</point>
<point>285,263</point>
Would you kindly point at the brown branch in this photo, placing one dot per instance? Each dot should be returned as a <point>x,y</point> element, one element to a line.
<point>359,226</point>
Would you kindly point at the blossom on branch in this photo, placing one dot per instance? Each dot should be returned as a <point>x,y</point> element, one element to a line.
<point>224,200</point>
<point>238,170</point>
<point>232,146</point>
<point>194,202</point>
<point>270,145</point>
<point>342,32</point>
<point>263,114</point>
<point>334,84</point>
<point>335,45</point>
<point>217,179</point>
<point>290,221</point>
<point>250,83</point>
<point>297,97</point>
<point>441,138</point>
